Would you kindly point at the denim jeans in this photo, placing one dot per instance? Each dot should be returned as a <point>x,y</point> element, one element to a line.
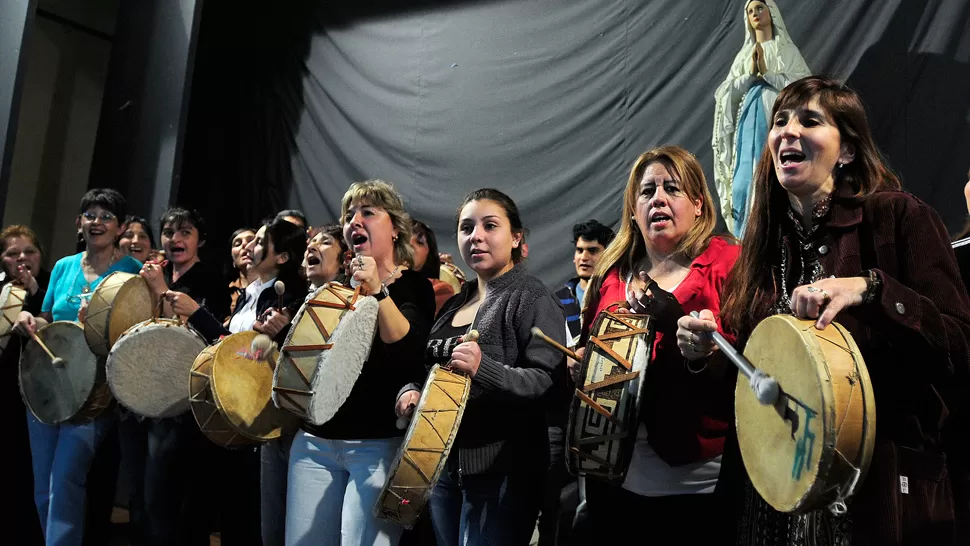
<point>61,456</point>
<point>332,489</point>
<point>274,461</point>
<point>486,509</point>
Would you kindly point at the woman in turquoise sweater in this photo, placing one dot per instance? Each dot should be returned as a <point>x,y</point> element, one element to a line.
<point>62,454</point>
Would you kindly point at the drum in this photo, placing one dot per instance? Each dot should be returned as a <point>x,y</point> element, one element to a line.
<point>605,410</point>
<point>424,452</point>
<point>75,391</point>
<point>11,304</point>
<point>148,365</point>
<point>120,301</point>
<point>230,393</point>
<point>451,275</point>
<point>324,352</point>
<point>814,446</point>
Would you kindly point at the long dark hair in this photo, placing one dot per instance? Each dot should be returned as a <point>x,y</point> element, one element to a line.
<point>750,288</point>
<point>290,238</point>
<point>432,264</point>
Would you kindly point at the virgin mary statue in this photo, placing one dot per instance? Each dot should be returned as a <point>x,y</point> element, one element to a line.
<point>767,62</point>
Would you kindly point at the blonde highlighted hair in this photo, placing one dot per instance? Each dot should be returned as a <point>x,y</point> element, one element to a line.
<point>628,248</point>
<point>381,194</point>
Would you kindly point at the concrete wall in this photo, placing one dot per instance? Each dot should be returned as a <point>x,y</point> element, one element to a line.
<point>60,107</point>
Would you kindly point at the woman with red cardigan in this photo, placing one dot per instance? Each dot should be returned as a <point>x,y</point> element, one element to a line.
<point>665,261</point>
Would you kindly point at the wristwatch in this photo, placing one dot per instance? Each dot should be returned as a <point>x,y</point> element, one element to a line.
<point>382,294</point>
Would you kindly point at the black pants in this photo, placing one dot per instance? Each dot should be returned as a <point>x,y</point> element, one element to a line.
<point>556,478</point>
<point>613,512</point>
<point>157,456</point>
<point>101,489</point>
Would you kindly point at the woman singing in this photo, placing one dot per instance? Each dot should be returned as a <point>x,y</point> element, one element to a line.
<point>62,454</point>
<point>337,469</point>
<point>492,487</point>
<point>831,238</point>
<point>666,249</point>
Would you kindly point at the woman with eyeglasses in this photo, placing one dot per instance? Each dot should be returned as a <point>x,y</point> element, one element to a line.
<point>62,454</point>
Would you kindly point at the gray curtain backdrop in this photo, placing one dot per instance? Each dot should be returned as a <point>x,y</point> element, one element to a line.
<point>551,101</point>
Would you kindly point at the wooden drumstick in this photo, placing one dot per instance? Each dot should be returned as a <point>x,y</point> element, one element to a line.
<point>538,333</point>
<point>55,360</point>
<point>765,387</point>
<point>280,289</point>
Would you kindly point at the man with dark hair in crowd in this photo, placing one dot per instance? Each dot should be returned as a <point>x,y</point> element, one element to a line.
<point>293,216</point>
<point>590,239</point>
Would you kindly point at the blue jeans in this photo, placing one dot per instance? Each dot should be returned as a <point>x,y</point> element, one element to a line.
<point>274,460</point>
<point>61,456</point>
<point>332,489</point>
<point>486,509</point>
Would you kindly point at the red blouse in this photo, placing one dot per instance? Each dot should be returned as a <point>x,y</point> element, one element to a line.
<point>686,413</point>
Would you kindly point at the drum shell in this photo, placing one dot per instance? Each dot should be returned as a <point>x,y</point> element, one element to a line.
<point>204,406</point>
<point>119,302</point>
<point>76,392</point>
<point>801,452</point>
<point>11,304</point>
<point>424,451</point>
<point>148,365</point>
<point>630,337</point>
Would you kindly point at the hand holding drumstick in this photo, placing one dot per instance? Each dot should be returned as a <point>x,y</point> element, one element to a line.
<point>409,400</point>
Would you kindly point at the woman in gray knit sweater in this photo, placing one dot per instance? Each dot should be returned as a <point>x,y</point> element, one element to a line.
<point>492,488</point>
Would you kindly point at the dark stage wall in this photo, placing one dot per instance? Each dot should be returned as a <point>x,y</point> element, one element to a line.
<point>547,100</point>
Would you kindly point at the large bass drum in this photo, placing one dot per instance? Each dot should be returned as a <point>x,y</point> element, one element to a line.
<point>120,301</point>
<point>814,446</point>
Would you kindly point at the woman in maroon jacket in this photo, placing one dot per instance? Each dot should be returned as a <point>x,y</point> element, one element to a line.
<point>832,237</point>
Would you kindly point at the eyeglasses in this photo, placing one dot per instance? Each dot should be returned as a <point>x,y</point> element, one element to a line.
<point>104,216</point>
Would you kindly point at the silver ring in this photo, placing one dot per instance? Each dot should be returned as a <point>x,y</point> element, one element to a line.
<point>360,262</point>
<point>813,289</point>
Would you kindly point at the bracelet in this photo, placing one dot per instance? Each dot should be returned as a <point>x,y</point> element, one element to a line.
<point>873,284</point>
<point>688,367</point>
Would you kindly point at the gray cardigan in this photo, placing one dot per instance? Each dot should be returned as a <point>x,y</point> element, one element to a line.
<point>519,378</point>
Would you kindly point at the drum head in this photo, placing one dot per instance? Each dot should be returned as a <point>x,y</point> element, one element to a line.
<point>55,394</point>
<point>339,367</point>
<point>787,448</point>
<point>243,388</point>
<point>447,275</point>
<point>148,366</point>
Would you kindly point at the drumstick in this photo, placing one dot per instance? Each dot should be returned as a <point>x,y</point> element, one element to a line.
<point>280,289</point>
<point>765,388</point>
<point>55,360</point>
<point>538,333</point>
<point>261,344</point>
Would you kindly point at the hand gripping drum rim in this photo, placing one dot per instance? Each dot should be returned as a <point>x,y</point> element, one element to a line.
<point>814,446</point>
<point>604,412</point>
<point>418,464</point>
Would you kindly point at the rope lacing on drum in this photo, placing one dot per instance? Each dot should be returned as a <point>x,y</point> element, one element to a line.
<point>838,506</point>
